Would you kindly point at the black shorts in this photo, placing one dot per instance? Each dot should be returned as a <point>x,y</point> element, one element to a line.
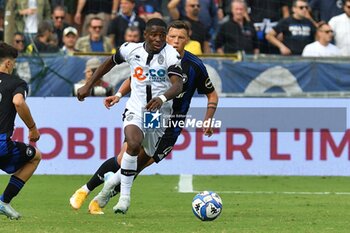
<point>14,155</point>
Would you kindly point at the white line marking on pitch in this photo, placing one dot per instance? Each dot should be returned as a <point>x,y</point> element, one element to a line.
<point>185,184</point>
<point>285,193</point>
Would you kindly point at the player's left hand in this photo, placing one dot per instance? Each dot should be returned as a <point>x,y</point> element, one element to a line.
<point>34,134</point>
<point>154,104</point>
<point>208,131</point>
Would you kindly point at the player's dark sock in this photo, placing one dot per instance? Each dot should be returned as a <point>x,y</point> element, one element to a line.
<point>12,189</point>
<point>110,165</point>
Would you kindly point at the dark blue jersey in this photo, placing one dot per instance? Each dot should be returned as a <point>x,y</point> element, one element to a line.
<point>195,77</point>
<point>9,87</point>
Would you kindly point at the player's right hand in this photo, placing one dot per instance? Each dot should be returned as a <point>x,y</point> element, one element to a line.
<point>110,101</point>
<point>83,92</point>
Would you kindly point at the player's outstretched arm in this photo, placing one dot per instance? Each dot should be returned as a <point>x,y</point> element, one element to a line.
<point>123,90</point>
<point>106,66</point>
<point>213,100</point>
<point>175,89</point>
<point>24,113</point>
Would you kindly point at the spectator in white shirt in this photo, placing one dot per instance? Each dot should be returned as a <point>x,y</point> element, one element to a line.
<point>322,46</point>
<point>341,27</point>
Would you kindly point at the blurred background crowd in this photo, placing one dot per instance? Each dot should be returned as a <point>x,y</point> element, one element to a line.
<point>288,27</point>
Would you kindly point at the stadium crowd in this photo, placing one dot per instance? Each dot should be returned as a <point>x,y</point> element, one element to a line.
<point>283,27</point>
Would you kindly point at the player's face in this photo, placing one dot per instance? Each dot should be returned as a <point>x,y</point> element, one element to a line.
<point>178,38</point>
<point>155,38</point>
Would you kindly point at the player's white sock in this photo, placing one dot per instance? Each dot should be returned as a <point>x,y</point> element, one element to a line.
<point>85,188</point>
<point>112,181</point>
<point>128,172</point>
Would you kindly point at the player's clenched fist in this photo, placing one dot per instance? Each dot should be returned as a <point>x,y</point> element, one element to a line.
<point>83,92</point>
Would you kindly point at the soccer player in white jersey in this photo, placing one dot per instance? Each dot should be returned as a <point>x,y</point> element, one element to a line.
<point>155,71</point>
<point>197,80</point>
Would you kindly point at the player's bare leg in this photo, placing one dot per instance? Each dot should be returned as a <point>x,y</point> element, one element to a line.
<point>29,168</point>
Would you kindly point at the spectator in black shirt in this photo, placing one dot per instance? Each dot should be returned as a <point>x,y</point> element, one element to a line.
<point>126,18</point>
<point>265,15</point>
<point>58,16</point>
<point>297,30</point>
<point>237,34</point>
<point>42,40</point>
<point>199,32</point>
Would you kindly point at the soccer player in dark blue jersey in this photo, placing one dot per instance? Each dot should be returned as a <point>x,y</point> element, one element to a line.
<point>16,158</point>
<point>195,78</point>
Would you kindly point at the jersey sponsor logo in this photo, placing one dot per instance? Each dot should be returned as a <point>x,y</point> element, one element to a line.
<point>138,74</point>
<point>160,59</point>
<point>208,83</point>
<point>157,75</point>
<point>154,75</point>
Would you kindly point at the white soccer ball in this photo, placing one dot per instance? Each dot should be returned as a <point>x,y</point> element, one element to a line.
<point>207,205</point>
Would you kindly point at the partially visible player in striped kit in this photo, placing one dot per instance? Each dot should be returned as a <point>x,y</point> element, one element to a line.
<point>16,158</point>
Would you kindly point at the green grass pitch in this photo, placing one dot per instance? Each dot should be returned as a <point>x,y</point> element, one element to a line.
<point>250,204</point>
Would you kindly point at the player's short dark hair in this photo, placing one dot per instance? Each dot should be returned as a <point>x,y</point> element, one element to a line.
<point>179,24</point>
<point>155,22</point>
<point>7,51</point>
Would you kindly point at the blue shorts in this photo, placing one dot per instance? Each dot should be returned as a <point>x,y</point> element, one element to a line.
<point>14,155</point>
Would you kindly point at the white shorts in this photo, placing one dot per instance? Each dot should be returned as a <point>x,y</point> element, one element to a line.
<point>151,136</point>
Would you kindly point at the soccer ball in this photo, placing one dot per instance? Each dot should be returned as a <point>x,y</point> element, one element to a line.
<point>207,205</point>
